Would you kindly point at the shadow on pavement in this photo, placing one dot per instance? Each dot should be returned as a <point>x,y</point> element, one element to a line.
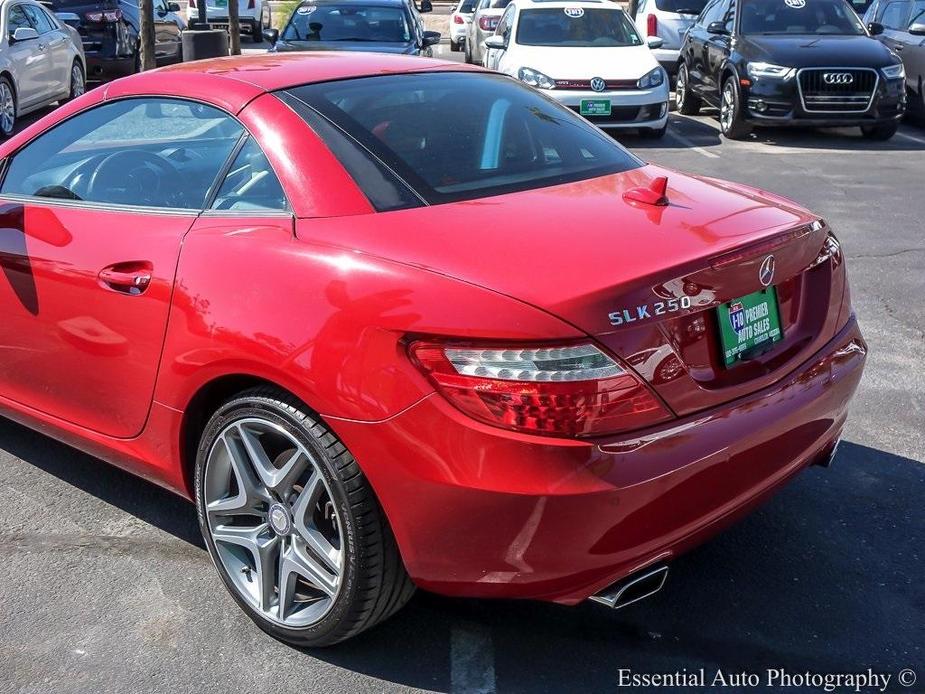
<point>144,500</point>
<point>825,577</point>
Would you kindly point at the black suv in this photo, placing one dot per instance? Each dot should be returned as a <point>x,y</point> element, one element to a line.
<point>790,62</point>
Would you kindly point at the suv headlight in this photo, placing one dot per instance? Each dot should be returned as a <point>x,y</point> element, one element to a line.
<point>894,72</point>
<point>756,70</point>
<point>535,78</point>
<point>653,78</point>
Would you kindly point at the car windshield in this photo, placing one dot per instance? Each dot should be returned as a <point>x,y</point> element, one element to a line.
<point>456,136</point>
<point>799,17</point>
<point>348,23</point>
<point>576,27</point>
<point>694,7</point>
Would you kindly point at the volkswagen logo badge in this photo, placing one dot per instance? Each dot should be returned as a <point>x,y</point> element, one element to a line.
<point>837,78</point>
<point>766,271</point>
<point>598,85</point>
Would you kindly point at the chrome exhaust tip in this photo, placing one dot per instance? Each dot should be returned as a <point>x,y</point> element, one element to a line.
<point>827,458</point>
<point>633,588</point>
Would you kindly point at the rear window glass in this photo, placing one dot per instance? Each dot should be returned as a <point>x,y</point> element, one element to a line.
<point>458,136</point>
<point>693,7</point>
<point>590,29</point>
<point>466,6</point>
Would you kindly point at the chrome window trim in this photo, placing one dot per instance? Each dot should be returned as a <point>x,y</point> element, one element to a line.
<point>99,206</point>
<point>873,93</point>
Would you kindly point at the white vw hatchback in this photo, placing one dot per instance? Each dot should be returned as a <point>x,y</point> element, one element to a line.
<point>587,55</point>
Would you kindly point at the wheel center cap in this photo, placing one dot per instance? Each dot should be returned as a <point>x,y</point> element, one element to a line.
<point>280,520</point>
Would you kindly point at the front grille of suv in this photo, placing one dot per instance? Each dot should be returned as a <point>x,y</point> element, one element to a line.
<point>837,90</point>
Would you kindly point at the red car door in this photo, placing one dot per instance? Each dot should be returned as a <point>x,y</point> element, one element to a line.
<point>85,309</point>
<point>90,237</point>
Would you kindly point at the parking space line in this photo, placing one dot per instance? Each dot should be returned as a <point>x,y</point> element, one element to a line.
<point>907,136</point>
<point>679,138</point>
<point>472,660</point>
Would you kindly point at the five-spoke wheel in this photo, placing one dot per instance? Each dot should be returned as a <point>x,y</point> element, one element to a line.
<point>291,523</point>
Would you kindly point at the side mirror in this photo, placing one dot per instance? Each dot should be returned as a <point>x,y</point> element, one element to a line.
<point>917,29</point>
<point>430,38</point>
<point>718,28</point>
<point>655,42</point>
<point>24,34</point>
<point>875,28</point>
<point>426,6</point>
<point>495,41</point>
<point>173,7</point>
<point>271,36</point>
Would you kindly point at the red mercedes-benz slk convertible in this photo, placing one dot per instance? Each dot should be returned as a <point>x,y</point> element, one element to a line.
<point>392,322</point>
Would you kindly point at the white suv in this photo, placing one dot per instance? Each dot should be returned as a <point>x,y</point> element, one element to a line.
<point>669,20</point>
<point>587,55</point>
<point>254,15</point>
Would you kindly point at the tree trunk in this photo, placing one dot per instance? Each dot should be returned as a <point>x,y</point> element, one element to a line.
<point>234,28</point>
<point>146,34</point>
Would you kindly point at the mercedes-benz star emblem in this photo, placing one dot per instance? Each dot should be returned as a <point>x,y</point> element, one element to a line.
<point>766,271</point>
<point>280,520</point>
<point>598,85</point>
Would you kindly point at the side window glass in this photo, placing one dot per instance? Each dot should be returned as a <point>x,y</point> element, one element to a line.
<point>250,183</point>
<point>729,17</point>
<point>143,152</point>
<point>504,26</point>
<point>17,19</point>
<point>39,19</point>
<point>918,13</point>
<point>708,14</point>
<point>895,14</point>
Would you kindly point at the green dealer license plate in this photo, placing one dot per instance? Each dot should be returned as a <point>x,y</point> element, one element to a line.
<point>595,107</point>
<point>747,323</point>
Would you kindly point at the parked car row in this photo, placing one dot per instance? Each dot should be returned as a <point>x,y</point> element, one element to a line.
<point>759,62</point>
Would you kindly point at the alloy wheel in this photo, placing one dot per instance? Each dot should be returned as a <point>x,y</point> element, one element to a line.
<point>7,108</point>
<point>680,85</point>
<point>272,520</point>
<point>727,108</point>
<point>78,86</point>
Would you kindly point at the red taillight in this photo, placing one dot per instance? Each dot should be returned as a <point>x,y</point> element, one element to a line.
<point>652,25</point>
<point>192,3</point>
<point>104,16</point>
<point>554,390</point>
<point>488,23</point>
<point>457,19</point>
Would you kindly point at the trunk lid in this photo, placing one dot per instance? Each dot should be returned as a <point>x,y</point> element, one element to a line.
<point>581,252</point>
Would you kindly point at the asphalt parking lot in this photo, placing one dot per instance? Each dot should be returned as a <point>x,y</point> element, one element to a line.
<point>107,586</point>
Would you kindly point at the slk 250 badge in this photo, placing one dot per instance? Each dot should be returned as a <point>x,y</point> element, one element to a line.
<point>657,308</point>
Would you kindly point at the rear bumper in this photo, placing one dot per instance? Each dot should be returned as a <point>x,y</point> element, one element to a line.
<point>108,67</point>
<point>482,512</point>
<point>668,58</point>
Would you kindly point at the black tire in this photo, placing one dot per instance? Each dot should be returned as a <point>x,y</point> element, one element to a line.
<point>731,122</point>
<point>467,53</point>
<point>8,121</point>
<point>78,87</point>
<point>455,47</point>
<point>687,103</point>
<point>374,584</point>
<point>880,132</point>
